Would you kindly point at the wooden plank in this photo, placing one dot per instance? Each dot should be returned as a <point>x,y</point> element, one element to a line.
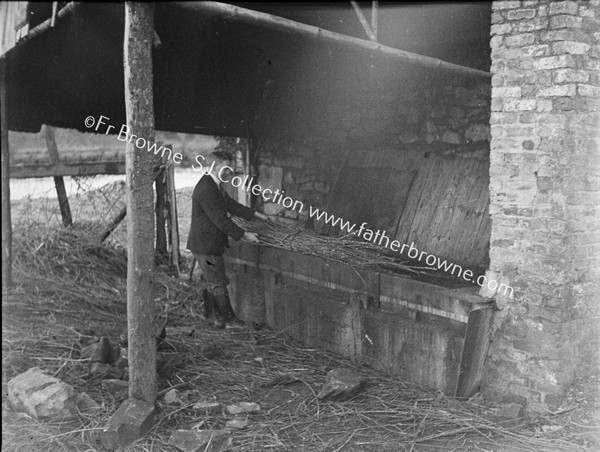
<point>59,183</point>
<point>477,339</point>
<point>481,243</point>
<point>447,215</point>
<point>445,210</point>
<point>453,232</point>
<point>375,18</point>
<point>139,106</point>
<point>478,219</point>
<point>66,169</point>
<point>461,229</point>
<point>422,211</point>
<point>173,222</point>
<point>6,218</point>
<point>356,327</point>
<point>410,211</point>
<point>114,223</point>
<point>363,21</point>
<point>158,171</point>
<point>269,285</point>
<point>159,208</point>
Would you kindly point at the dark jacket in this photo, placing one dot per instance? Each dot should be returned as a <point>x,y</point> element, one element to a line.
<point>210,223</point>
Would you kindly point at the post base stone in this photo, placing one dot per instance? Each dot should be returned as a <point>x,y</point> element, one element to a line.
<point>130,422</point>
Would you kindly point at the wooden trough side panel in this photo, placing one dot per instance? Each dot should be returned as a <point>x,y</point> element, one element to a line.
<point>425,333</point>
<point>248,291</point>
<point>425,354</point>
<point>454,304</point>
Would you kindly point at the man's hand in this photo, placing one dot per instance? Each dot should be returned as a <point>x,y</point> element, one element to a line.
<point>261,215</point>
<point>250,237</point>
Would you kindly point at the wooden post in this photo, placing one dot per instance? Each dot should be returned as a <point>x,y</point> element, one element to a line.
<point>375,18</point>
<point>139,106</point>
<point>363,21</point>
<point>173,223</point>
<point>477,340</point>
<point>59,183</point>
<point>6,221</point>
<point>161,236</point>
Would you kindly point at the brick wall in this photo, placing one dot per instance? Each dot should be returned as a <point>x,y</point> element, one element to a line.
<point>544,197</point>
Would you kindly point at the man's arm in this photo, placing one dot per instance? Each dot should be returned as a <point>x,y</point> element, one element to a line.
<point>235,208</point>
<point>240,210</point>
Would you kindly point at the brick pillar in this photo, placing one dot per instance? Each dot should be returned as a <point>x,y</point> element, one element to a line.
<point>544,197</point>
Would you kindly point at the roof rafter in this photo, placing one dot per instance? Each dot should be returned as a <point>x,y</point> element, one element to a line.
<point>235,13</point>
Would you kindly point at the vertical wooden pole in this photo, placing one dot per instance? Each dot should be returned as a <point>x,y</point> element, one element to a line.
<point>59,183</point>
<point>174,224</point>
<point>6,221</point>
<point>363,21</point>
<point>139,106</point>
<point>161,236</point>
<point>375,19</point>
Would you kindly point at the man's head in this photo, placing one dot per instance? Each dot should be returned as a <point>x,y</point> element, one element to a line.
<point>219,159</point>
<point>222,156</point>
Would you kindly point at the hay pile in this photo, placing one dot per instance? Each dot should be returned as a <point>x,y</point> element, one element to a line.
<point>69,288</point>
<point>348,250</point>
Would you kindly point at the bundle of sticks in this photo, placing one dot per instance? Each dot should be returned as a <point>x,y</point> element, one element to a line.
<point>348,249</point>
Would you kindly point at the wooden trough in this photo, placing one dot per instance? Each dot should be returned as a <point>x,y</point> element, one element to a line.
<point>424,333</point>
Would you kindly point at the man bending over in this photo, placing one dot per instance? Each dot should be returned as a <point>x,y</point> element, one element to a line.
<point>209,235</point>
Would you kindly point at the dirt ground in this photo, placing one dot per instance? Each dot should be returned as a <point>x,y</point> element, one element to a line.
<point>71,290</point>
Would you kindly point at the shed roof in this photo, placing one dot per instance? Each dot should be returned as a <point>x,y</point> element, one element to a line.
<point>210,73</point>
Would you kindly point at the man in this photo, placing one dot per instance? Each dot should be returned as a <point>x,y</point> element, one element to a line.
<point>211,226</point>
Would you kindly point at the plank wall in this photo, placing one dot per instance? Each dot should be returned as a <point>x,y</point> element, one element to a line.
<point>437,199</point>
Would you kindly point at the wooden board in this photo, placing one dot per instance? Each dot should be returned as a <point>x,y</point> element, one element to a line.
<point>67,169</point>
<point>446,212</point>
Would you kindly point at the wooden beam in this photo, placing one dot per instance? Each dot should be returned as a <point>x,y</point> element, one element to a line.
<point>363,21</point>
<point>120,216</point>
<point>290,27</point>
<point>6,220</point>
<point>59,183</point>
<point>375,18</point>
<point>66,169</point>
<point>114,223</point>
<point>139,106</point>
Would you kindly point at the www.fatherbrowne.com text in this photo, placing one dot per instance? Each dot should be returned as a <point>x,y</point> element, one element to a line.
<point>379,237</point>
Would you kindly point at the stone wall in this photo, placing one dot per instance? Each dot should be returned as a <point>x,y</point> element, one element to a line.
<point>544,197</point>
<point>309,140</point>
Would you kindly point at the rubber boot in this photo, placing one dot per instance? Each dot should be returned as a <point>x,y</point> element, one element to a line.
<point>211,310</point>
<point>224,307</point>
<point>223,304</point>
